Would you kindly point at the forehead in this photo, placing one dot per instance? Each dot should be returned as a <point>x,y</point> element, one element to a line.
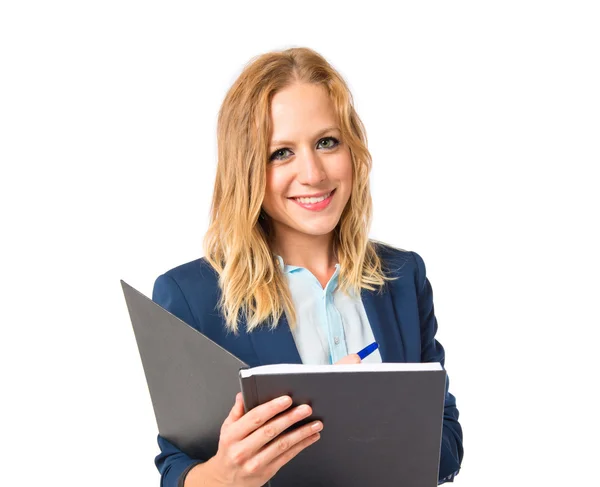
<point>301,107</point>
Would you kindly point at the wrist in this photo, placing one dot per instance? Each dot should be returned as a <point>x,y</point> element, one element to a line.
<point>204,475</point>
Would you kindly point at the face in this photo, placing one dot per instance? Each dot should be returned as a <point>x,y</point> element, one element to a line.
<point>309,172</point>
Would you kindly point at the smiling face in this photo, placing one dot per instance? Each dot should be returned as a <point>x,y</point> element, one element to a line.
<point>309,172</point>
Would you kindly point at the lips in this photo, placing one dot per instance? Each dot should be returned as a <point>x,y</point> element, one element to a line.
<point>312,199</point>
<point>317,205</point>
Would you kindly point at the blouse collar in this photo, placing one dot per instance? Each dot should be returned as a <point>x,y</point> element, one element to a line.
<point>288,269</point>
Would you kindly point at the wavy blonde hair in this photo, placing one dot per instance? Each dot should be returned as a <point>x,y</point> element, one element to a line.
<point>237,241</point>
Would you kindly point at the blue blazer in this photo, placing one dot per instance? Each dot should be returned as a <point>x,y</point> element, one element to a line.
<point>402,319</point>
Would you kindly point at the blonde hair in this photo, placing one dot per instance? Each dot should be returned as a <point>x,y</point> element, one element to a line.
<point>237,241</point>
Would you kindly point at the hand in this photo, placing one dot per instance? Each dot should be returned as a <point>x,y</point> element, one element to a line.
<point>251,446</point>
<point>353,358</point>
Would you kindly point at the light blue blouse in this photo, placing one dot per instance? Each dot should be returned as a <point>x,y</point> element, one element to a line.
<point>330,324</point>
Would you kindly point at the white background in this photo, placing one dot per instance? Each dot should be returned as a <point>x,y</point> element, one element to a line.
<point>483,121</point>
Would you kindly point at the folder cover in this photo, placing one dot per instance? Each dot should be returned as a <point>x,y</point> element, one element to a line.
<point>192,380</point>
<point>382,423</point>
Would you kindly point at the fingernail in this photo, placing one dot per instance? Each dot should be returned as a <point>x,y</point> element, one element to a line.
<point>284,400</point>
<point>304,409</point>
<point>318,426</point>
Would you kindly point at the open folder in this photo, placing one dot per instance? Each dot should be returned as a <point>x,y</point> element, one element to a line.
<point>382,423</point>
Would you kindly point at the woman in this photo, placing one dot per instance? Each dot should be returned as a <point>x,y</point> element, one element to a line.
<point>289,273</point>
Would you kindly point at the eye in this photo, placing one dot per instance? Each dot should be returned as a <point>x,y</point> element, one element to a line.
<point>333,142</point>
<point>278,155</point>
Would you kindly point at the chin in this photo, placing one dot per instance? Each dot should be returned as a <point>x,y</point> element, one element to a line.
<point>316,230</point>
<point>308,226</point>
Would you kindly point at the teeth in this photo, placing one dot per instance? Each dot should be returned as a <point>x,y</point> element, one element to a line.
<point>312,201</point>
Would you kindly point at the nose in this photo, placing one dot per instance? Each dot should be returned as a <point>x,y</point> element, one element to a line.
<point>311,170</point>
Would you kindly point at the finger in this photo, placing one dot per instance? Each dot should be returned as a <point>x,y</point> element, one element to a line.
<point>258,416</point>
<point>287,441</point>
<point>238,408</point>
<point>285,457</point>
<point>273,428</point>
<point>353,358</point>
<point>237,411</point>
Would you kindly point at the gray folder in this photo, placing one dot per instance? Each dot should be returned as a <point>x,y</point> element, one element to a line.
<point>380,428</point>
<point>192,380</point>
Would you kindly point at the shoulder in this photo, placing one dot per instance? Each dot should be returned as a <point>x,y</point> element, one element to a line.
<point>400,263</point>
<point>189,290</point>
<point>192,274</point>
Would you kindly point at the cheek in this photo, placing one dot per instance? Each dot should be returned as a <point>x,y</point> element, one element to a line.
<point>276,184</point>
<point>343,168</point>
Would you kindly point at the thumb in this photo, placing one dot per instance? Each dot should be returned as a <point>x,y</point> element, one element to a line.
<point>237,411</point>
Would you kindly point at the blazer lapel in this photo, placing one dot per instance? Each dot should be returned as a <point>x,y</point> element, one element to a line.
<point>275,346</point>
<point>386,329</point>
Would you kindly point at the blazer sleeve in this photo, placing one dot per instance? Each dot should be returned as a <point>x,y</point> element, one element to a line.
<point>451,453</point>
<point>172,464</point>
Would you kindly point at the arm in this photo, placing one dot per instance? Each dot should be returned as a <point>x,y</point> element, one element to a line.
<point>451,453</point>
<point>171,462</point>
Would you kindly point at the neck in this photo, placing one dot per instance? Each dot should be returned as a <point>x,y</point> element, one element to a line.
<point>308,251</point>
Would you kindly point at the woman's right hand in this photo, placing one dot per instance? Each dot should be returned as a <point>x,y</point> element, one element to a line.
<point>251,446</point>
<point>353,358</point>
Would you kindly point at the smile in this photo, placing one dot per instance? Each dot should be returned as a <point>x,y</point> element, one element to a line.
<point>315,204</point>
<point>313,200</point>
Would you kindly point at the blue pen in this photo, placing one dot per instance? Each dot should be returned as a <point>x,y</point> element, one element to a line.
<point>368,350</point>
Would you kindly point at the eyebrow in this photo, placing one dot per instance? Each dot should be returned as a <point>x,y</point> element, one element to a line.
<point>318,134</point>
